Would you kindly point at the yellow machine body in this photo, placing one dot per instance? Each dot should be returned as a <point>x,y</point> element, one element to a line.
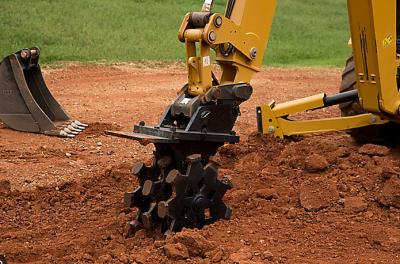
<point>373,41</point>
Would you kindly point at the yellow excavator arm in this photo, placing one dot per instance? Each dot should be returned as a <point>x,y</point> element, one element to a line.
<point>239,39</point>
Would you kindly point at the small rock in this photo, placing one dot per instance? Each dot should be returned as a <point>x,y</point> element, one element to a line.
<point>316,163</point>
<point>355,204</point>
<point>176,251</point>
<point>87,257</point>
<point>123,258</point>
<point>267,255</point>
<point>373,150</point>
<point>217,256</point>
<point>296,162</point>
<point>68,154</point>
<point>99,144</point>
<point>390,194</point>
<point>369,214</point>
<point>344,166</point>
<point>291,214</point>
<point>267,194</point>
<point>343,187</point>
<point>5,187</point>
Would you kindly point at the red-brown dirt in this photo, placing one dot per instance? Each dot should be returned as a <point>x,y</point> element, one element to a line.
<point>316,199</point>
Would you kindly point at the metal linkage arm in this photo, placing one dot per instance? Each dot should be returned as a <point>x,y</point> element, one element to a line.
<point>273,119</point>
<point>239,39</point>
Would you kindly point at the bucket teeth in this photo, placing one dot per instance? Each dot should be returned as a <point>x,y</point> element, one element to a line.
<point>65,134</point>
<point>26,103</point>
<point>80,124</point>
<point>70,130</point>
<point>77,127</point>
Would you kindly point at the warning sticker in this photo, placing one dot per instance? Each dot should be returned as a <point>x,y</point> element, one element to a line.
<point>387,41</point>
<point>206,61</point>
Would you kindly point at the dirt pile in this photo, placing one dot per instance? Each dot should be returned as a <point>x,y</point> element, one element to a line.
<point>314,199</point>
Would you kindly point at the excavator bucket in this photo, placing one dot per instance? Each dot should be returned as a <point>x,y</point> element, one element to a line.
<point>26,103</point>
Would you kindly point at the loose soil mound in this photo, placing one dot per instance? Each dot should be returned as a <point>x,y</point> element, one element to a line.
<point>315,199</point>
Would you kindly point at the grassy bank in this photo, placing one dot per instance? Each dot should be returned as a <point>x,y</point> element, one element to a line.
<point>305,33</point>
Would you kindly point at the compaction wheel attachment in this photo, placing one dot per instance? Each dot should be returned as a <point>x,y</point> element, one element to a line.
<point>174,200</point>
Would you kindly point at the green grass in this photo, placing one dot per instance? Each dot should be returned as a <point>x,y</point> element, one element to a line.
<point>305,33</point>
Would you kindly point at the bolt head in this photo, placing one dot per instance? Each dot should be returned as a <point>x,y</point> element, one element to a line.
<point>253,53</point>
<point>271,130</point>
<point>25,54</point>
<point>218,21</point>
<point>212,36</point>
<point>373,119</point>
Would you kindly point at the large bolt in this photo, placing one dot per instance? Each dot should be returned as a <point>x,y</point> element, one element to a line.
<point>253,53</point>
<point>218,21</point>
<point>271,130</point>
<point>34,53</point>
<point>212,36</point>
<point>25,54</point>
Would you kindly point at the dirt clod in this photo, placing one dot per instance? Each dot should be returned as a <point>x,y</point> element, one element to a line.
<point>390,194</point>
<point>241,256</point>
<point>196,244</point>
<point>267,255</point>
<point>62,208</point>
<point>176,251</point>
<point>355,204</point>
<point>5,187</point>
<point>316,163</point>
<point>217,256</point>
<point>318,194</point>
<point>373,150</point>
<point>267,194</point>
